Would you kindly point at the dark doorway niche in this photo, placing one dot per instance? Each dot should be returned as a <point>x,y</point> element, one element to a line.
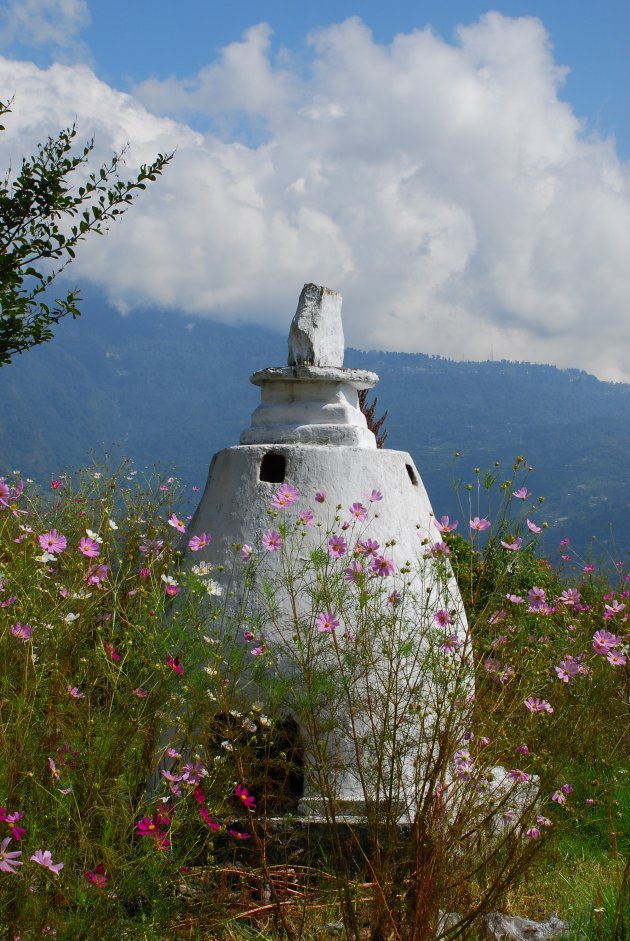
<point>412,475</point>
<point>273,467</point>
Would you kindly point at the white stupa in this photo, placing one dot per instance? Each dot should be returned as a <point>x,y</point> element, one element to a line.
<point>310,432</point>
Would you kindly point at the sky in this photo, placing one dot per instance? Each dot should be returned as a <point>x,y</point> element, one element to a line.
<point>459,171</point>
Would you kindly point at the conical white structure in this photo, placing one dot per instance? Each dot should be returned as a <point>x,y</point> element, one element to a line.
<point>310,432</point>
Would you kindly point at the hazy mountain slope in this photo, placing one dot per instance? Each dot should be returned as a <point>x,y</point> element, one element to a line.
<point>175,392</point>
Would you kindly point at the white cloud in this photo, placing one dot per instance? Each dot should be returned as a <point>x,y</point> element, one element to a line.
<point>446,190</point>
<point>54,23</point>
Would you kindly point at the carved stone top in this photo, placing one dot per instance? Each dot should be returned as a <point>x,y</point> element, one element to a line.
<point>316,334</point>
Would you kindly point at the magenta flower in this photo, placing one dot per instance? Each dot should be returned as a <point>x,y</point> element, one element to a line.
<point>285,497</point>
<point>246,552</point>
<point>442,617</point>
<point>358,511</point>
<point>239,836</point>
<point>444,524</point>
<point>243,794</point>
<point>9,858</point>
<point>479,524</point>
<point>337,546</point>
<point>382,566</point>
<point>140,692</point>
<point>603,641</point>
<point>534,704</point>
<point>111,651</point>
<point>272,541</point>
<point>533,833</point>
<point>11,821</point>
<point>53,542</point>
<point>320,496</point>
<point>326,622</point>
<point>175,665</point>
<point>155,827</point>
<point>176,524</point>
<point>97,574</point>
<point>532,527</point>
<point>559,797</point>
<point>208,819</point>
<point>306,517</point>
<point>56,484</point>
<point>96,876</point>
<point>522,494</point>
<point>21,631</point>
<point>199,542</point>
<point>89,547</point>
<point>257,651</point>
<point>44,858</point>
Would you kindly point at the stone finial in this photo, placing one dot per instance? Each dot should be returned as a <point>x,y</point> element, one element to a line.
<point>316,334</point>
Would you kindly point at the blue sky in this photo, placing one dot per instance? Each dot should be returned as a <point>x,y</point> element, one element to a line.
<point>461,175</point>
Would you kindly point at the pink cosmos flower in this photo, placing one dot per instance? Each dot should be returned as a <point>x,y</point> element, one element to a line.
<point>358,511</point>
<point>56,484</point>
<point>111,650</point>
<point>536,597</point>
<point>53,542</point>
<point>534,704</point>
<point>374,497</point>
<point>615,658</point>
<point>517,775</point>
<point>285,497</point>
<point>444,524</point>
<point>89,547</point>
<point>515,599</point>
<point>9,859</point>
<point>239,836</point>
<point>44,858</point>
<point>176,524</point>
<point>522,750</point>
<point>326,622</point>
<point>257,651</point>
<point>175,665</point>
<point>320,496</point>
<point>439,550</point>
<point>155,827</point>
<point>199,542</point>
<point>193,772</point>
<point>96,876</point>
<point>11,821</point>
<point>208,819</point>
<point>610,610</point>
<point>243,794</point>
<point>272,541</point>
<point>567,669</point>
<point>522,493</point>
<point>533,833</point>
<point>353,572</point>
<point>367,547</point>
<point>8,601</point>
<point>512,543</point>
<point>559,797</point>
<point>306,517</point>
<point>21,631</point>
<point>450,644</point>
<point>382,566</point>
<point>532,527</point>
<point>75,692</point>
<point>394,598</point>
<point>603,641</point>
<point>588,568</point>
<point>141,693</point>
<point>442,617</point>
<point>570,596</point>
<point>337,546</point>
<point>97,574</point>
<point>543,821</point>
<point>246,552</point>
<point>479,524</point>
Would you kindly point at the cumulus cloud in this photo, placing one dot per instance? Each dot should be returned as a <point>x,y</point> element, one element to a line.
<point>445,189</point>
<point>55,23</point>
